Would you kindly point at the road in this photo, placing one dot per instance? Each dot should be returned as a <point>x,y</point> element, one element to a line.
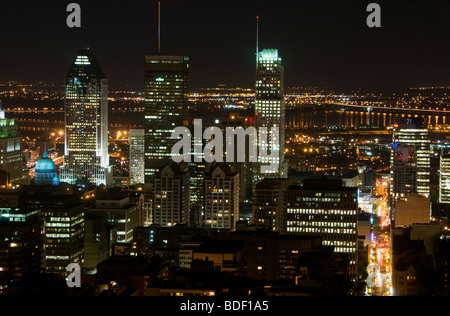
<point>380,271</point>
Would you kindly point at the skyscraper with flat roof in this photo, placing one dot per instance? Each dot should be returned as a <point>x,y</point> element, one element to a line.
<point>324,207</point>
<point>414,133</point>
<point>270,108</point>
<point>166,104</point>
<point>86,122</point>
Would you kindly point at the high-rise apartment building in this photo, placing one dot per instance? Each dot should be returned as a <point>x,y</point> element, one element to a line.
<point>166,104</point>
<point>270,109</point>
<point>221,198</point>
<point>86,156</point>
<point>415,133</point>
<point>137,156</point>
<point>171,203</point>
<point>323,207</point>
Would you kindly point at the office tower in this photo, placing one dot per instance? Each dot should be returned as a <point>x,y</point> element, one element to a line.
<point>166,104</point>
<point>64,227</point>
<point>137,156</point>
<point>21,245</point>
<point>323,207</point>
<point>171,202</point>
<point>414,133</point>
<point>270,107</point>
<point>11,151</point>
<point>45,171</point>
<point>86,119</point>
<point>269,205</point>
<point>444,176</point>
<point>120,213</point>
<point>222,197</point>
<point>404,171</point>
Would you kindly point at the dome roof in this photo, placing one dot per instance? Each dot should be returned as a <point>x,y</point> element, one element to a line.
<point>45,164</point>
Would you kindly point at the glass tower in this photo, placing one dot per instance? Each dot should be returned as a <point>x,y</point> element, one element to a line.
<point>270,106</point>
<point>166,94</point>
<point>86,122</point>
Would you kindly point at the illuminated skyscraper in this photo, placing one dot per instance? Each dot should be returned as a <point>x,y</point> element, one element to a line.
<point>166,96</point>
<point>11,156</point>
<point>137,156</point>
<point>444,176</point>
<point>415,134</point>
<point>270,106</point>
<point>86,117</point>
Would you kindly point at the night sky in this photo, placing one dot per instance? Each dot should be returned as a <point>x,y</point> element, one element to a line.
<point>322,43</point>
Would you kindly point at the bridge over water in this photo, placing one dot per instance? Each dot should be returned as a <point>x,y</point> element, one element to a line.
<point>353,116</point>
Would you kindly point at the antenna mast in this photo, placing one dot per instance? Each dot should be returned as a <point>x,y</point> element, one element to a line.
<point>257,41</point>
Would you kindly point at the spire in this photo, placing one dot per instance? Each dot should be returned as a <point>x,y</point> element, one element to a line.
<point>45,154</point>
<point>257,41</point>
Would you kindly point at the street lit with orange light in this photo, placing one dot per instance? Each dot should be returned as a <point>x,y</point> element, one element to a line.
<point>380,270</point>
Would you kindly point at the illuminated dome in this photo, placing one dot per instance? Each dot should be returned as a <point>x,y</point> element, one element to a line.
<point>45,171</point>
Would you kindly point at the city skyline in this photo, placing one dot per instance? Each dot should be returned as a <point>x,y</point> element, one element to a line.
<point>321,186</point>
<point>323,43</point>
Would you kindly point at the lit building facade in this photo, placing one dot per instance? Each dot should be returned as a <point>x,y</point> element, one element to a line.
<point>270,108</point>
<point>444,176</point>
<point>221,198</point>
<point>171,190</point>
<point>137,156</point>
<point>269,205</point>
<point>166,104</point>
<point>323,207</point>
<point>86,123</point>
<point>64,233</point>
<point>417,135</point>
<point>21,245</point>
<point>119,213</point>
<point>11,151</point>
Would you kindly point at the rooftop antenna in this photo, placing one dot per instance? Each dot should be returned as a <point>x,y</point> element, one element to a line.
<point>159,27</point>
<point>257,41</point>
